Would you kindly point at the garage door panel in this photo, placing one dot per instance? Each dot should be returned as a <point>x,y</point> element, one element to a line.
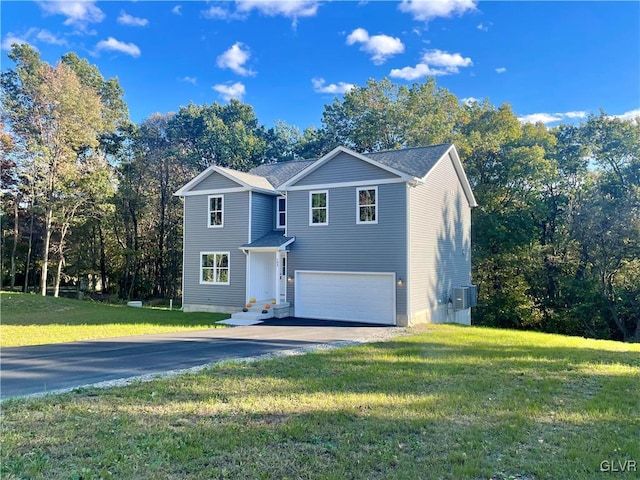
<point>361,297</point>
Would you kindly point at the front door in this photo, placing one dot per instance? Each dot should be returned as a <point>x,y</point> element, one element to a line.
<point>283,277</point>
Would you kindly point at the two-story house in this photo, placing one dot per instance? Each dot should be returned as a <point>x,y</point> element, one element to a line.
<point>379,238</point>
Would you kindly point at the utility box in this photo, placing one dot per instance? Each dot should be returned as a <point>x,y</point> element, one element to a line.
<point>473,295</point>
<point>460,298</point>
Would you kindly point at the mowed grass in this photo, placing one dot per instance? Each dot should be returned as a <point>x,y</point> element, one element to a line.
<point>444,402</point>
<point>28,319</point>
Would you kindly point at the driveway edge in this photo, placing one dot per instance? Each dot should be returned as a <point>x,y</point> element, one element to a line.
<point>383,336</point>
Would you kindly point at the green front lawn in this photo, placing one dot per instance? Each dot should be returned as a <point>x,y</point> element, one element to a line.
<point>28,319</point>
<point>445,402</point>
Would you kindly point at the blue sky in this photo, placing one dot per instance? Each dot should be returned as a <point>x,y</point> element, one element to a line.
<point>552,61</point>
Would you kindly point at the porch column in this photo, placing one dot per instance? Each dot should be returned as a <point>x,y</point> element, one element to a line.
<point>277,277</point>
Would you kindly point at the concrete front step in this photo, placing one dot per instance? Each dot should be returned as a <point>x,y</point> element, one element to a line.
<point>255,311</point>
<point>252,315</point>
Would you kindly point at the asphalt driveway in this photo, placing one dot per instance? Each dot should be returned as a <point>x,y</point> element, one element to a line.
<point>49,368</point>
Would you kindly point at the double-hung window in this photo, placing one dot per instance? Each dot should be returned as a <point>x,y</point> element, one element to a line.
<point>367,205</point>
<point>319,207</point>
<point>216,211</point>
<point>214,268</point>
<point>281,221</point>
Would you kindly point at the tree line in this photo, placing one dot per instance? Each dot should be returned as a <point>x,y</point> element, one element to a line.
<point>87,196</point>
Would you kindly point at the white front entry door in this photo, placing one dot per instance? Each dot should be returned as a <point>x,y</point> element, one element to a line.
<point>262,275</point>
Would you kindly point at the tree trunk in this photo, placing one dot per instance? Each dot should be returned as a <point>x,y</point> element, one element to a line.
<point>45,254</point>
<point>28,265</point>
<point>103,261</point>
<point>66,224</point>
<point>609,294</point>
<point>16,219</point>
<point>636,335</point>
<point>56,290</point>
<point>162,290</point>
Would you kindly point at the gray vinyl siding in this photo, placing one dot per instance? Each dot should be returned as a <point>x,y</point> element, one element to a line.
<point>215,181</point>
<point>262,218</point>
<point>440,241</point>
<point>199,238</point>
<point>346,246</point>
<point>344,168</point>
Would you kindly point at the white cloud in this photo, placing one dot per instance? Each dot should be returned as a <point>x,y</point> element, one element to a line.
<point>501,70</point>
<point>319,86</point>
<point>630,115</point>
<point>286,8</point>
<point>228,92</point>
<point>79,13</point>
<point>131,21</point>
<point>33,35</point>
<point>425,10</point>
<point>177,10</point>
<point>413,73</point>
<point>450,61</point>
<point>380,47</point>
<point>215,12</point>
<point>539,118</point>
<point>446,64</point>
<point>359,35</point>
<point>47,37</point>
<point>234,59</point>
<point>113,45</point>
<point>551,117</point>
<point>10,39</point>
<point>188,79</point>
<point>577,114</point>
<point>484,28</point>
<point>469,100</point>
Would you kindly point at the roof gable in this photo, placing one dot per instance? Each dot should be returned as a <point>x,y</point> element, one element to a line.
<point>217,178</point>
<point>369,169</point>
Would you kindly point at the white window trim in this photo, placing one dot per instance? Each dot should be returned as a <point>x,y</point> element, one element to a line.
<point>209,211</point>
<point>278,211</point>
<point>362,222</point>
<point>228,254</point>
<point>311,193</point>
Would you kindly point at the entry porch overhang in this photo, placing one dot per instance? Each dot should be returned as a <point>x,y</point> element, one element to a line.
<point>271,242</point>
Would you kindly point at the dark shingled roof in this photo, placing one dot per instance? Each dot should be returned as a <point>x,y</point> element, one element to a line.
<point>278,173</point>
<point>273,239</point>
<point>414,161</point>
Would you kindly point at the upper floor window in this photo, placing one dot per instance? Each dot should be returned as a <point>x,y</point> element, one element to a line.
<point>319,208</point>
<point>216,210</point>
<point>367,198</point>
<point>281,221</point>
<point>214,268</point>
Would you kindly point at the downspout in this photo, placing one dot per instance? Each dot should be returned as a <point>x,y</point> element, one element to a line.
<point>250,214</point>
<point>408,282</point>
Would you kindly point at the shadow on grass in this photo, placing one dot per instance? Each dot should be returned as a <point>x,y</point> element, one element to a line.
<point>403,409</point>
<point>29,309</point>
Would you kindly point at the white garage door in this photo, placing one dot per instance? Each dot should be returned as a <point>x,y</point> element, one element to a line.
<point>350,296</point>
